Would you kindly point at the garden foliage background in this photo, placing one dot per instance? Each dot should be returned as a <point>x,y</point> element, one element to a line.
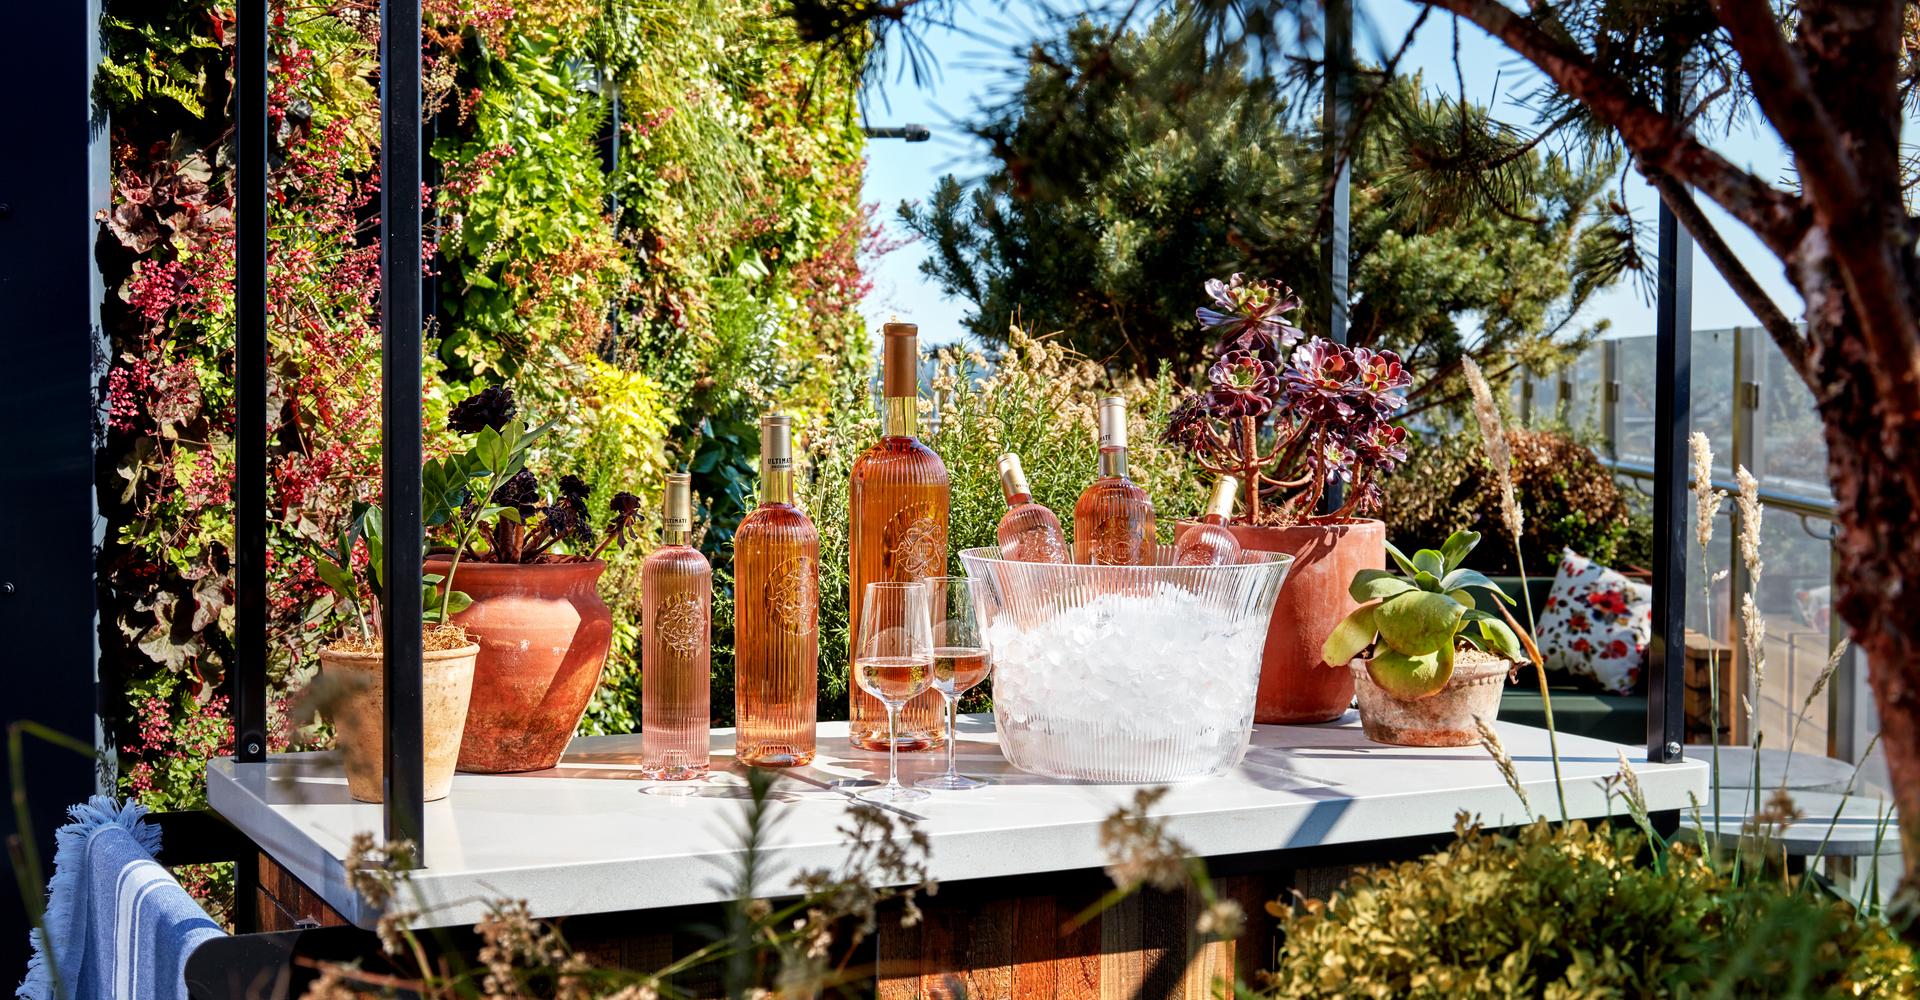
<point>653,305</point>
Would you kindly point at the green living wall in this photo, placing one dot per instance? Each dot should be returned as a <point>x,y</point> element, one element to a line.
<point>652,309</point>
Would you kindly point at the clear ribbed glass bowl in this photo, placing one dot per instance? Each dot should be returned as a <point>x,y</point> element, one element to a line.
<point>1125,673</point>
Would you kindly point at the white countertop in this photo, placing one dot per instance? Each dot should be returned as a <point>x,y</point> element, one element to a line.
<point>586,837</point>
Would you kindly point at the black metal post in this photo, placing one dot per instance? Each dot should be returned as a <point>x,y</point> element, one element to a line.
<point>400,363</point>
<point>1672,420</point>
<point>250,127</point>
<point>1336,119</point>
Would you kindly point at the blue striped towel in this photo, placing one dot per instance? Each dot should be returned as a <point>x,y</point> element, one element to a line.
<point>117,924</point>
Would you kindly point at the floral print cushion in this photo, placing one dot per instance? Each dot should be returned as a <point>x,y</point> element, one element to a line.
<point>1596,624</point>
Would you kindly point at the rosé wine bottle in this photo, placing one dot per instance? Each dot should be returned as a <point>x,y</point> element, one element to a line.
<point>676,594</point>
<point>1113,520</point>
<point>776,558</point>
<point>1028,531</point>
<point>1209,543</point>
<point>898,513</point>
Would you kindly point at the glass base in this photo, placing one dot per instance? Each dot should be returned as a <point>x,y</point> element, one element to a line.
<point>952,783</point>
<point>888,793</point>
<point>672,791</point>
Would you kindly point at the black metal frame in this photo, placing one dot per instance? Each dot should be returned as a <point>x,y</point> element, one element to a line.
<point>402,283</point>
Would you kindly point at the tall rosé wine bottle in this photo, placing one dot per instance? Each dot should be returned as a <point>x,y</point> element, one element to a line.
<point>1028,531</point>
<point>676,600</point>
<point>1113,519</point>
<point>776,558</point>
<point>1209,543</point>
<point>898,512</point>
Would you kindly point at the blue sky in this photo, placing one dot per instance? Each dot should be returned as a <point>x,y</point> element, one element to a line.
<point>984,41</point>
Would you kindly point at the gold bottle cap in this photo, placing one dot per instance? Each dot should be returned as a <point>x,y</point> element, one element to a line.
<point>676,507</point>
<point>776,442</point>
<point>900,360</point>
<point>1113,422</point>
<point>1225,489</point>
<point>1013,479</point>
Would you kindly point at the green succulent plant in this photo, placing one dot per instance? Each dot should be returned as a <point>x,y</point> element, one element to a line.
<point>1414,621</point>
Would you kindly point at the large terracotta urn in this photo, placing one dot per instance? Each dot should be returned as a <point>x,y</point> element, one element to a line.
<point>543,633</point>
<point>1296,686</point>
<point>360,718</point>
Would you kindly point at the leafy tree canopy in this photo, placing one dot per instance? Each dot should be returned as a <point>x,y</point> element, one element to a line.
<point>1129,172</point>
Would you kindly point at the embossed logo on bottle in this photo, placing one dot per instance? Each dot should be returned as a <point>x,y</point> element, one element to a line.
<point>682,623</point>
<point>790,595</point>
<point>916,544</point>
<point>1113,548</point>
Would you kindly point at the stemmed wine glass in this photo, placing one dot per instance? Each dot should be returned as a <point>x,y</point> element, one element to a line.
<point>960,661</point>
<point>894,662</point>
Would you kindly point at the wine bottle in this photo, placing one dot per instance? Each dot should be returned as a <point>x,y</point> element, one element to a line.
<point>776,557</point>
<point>1028,532</point>
<point>1209,543</point>
<point>1113,520</point>
<point>676,595</point>
<point>898,515</point>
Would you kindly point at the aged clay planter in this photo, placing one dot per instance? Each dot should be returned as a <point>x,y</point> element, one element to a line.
<point>1442,719</point>
<point>359,721</point>
<point>1295,685</point>
<point>543,633</point>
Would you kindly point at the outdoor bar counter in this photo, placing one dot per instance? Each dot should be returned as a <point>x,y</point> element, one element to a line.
<point>1014,859</point>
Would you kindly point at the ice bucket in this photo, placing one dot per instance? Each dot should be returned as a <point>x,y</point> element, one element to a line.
<point>1125,673</point>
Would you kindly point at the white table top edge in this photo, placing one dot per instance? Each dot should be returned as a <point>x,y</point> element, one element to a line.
<point>581,838</point>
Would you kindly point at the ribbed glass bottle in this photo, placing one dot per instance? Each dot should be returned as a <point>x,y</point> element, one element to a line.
<point>1028,531</point>
<point>898,512</point>
<point>1113,519</point>
<point>676,601</point>
<point>776,558</point>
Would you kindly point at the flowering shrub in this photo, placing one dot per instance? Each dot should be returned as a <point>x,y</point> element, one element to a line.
<point>1328,406</point>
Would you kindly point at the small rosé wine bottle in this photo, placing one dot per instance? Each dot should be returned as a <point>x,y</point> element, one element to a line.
<point>676,591</point>
<point>1028,531</point>
<point>776,562</point>
<point>1113,520</point>
<point>1209,543</point>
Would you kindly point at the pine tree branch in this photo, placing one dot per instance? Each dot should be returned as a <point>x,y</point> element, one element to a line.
<point>1659,143</point>
<point>1786,335</point>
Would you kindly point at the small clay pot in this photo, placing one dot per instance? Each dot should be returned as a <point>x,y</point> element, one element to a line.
<point>1296,685</point>
<point>359,721</point>
<point>1442,719</point>
<point>544,633</point>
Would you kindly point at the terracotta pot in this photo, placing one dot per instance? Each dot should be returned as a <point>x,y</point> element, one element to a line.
<point>1442,719</point>
<point>1296,686</point>
<point>543,632</point>
<point>359,721</point>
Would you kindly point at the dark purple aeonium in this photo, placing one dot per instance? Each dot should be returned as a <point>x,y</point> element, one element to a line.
<point>1249,315</point>
<point>1320,420</point>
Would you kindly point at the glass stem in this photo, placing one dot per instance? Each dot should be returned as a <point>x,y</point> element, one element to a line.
<point>893,746</point>
<point>953,723</point>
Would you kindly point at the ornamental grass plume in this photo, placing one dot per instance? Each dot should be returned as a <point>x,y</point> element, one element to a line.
<point>1490,742</point>
<point>1493,435</point>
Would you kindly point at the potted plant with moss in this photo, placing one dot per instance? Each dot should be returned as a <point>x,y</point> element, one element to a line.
<point>1425,661</point>
<point>531,563</point>
<point>1297,420</point>
<point>355,665</point>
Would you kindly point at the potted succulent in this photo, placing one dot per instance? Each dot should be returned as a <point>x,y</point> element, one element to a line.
<point>1298,421</point>
<point>355,665</point>
<point>1425,661</point>
<point>531,564</point>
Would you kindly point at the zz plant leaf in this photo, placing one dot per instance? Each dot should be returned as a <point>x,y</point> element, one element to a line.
<point>1410,625</point>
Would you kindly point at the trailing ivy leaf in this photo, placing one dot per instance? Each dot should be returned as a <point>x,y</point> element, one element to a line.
<point>1377,584</point>
<point>1354,634</point>
<point>1419,622</point>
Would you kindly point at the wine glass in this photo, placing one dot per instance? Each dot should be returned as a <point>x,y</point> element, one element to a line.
<point>960,661</point>
<point>893,661</point>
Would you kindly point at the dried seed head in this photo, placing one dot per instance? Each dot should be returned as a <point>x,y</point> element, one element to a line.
<point>1706,499</point>
<point>1499,452</point>
<point>1748,502</point>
